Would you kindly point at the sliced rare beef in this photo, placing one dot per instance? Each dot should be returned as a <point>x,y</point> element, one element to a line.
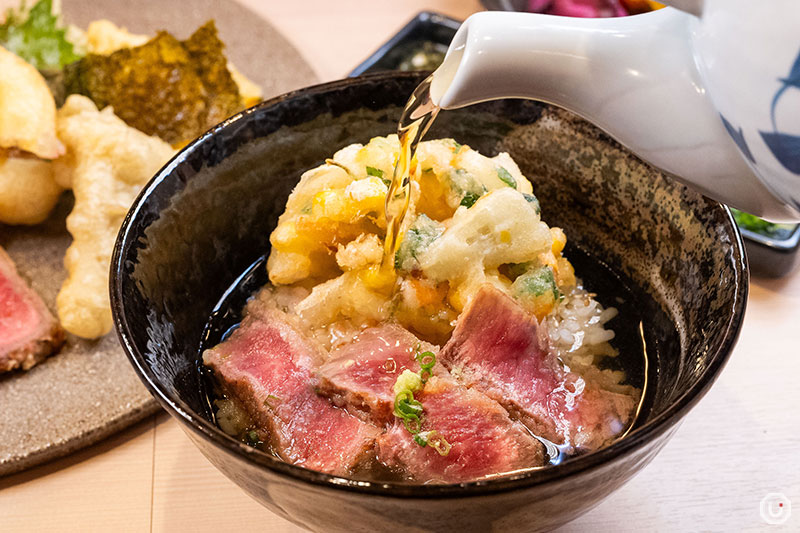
<point>362,373</point>
<point>501,350</point>
<point>483,440</point>
<point>269,367</point>
<point>28,331</point>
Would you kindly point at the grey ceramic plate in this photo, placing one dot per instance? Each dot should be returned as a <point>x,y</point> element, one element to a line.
<point>89,391</point>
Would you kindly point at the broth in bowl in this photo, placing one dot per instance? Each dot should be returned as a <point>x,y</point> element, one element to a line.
<point>474,352</point>
<point>193,247</point>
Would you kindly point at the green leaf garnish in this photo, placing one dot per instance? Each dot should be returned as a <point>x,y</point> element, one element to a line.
<point>372,171</point>
<point>36,36</point>
<point>386,182</point>
<point>457,147</point>
<point>506,177</point>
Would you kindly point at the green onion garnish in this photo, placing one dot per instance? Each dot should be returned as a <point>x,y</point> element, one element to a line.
<point>457,147</point>
<point>434,440</point>
<point>410,410</point>
<point>439,443</point>
<point>469,199</point>
<point>405,406</point>
<point>372,171</point>
<point>251,438</point>
<point>413,425</point>
<point>506,177</point>
<point>272,401</point>
<point>426,361</point>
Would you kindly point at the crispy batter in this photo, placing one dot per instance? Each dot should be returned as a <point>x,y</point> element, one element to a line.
<point>27,109</point>
<point>250,92</point>
<point>111,162</point>
<point>28,191</point>
<point>104,37</point>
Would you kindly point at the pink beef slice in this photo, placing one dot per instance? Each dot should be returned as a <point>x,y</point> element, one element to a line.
<point>484,441</point>
<point>268,366</point>
<point>361,374</point>
<point>501,350</point>
<point>28,331</point>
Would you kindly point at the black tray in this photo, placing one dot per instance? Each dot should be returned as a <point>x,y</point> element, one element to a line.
<point>771,257</point>
<point>426,27</point>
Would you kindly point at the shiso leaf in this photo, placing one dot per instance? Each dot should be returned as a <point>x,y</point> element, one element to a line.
<point>36,35</point>
<point>173,89</point>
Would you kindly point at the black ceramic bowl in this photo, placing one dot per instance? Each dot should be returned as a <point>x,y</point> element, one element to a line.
<point>208,215</point>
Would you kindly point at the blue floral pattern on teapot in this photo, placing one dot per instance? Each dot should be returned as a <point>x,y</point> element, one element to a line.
<point>785,147</point>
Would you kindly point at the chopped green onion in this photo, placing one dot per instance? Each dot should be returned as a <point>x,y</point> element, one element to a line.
<point>506,177</point>
<point>386,182</point>
<point>439,443</point>
<point>372,171</point>
<point>413,425</point>
<point>410,410</point>
<point>531,199</point>
<point>469,199</point>
<point>434,440</point>
<point>457,147</point>
<point>251,438</point>
<point>405,406</point>
<point>426,361</point>
<point>272,401</point>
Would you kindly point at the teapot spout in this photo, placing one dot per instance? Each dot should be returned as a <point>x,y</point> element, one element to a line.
<point>634,77</point>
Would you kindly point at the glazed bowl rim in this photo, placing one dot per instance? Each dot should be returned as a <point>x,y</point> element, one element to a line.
<point>214,435</point>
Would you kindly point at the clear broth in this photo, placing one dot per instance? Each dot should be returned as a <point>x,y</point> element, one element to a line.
<point>612,290</point>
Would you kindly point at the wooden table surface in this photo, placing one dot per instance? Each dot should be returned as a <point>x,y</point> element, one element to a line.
<point>738,446</point>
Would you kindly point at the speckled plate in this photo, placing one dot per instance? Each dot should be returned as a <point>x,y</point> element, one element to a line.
<point>89,390</point>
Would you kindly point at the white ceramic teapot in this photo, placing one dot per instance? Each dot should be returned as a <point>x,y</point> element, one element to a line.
<point>709,93</point>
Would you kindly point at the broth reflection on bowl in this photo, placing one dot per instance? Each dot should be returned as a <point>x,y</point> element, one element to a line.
<point>476,352</point>
<point>195,245</point>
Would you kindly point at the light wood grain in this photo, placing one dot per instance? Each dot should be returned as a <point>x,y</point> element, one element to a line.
<point>104,487</point>
<point>740,443</point>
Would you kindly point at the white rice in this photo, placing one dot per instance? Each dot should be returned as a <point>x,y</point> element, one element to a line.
<point>577,332</point>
